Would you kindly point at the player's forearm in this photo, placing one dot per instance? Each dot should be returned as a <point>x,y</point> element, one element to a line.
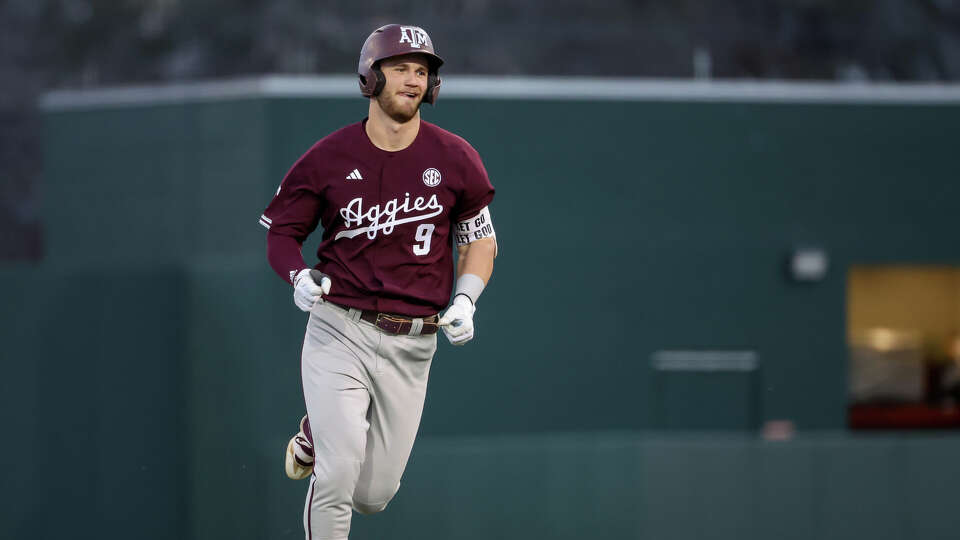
<point>477,258</point>
<point>285,256</point>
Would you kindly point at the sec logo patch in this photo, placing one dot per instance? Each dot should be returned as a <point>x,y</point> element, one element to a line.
<point>431,177</point>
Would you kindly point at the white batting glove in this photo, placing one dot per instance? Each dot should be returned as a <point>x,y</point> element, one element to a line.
<point>457,321</point>
<point>307,290</point>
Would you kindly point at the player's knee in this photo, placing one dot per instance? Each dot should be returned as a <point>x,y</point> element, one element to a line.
<point>369,508</point>
<point>361,499</point>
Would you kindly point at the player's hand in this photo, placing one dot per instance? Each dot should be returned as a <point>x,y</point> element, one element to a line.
<point>457,321</point>
<point>308,286</point>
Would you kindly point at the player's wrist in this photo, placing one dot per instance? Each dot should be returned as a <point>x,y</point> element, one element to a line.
<point>462,300</point>
<point>471,286</point>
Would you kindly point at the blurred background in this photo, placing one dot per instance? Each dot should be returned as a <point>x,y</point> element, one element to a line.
<point>757,202</point>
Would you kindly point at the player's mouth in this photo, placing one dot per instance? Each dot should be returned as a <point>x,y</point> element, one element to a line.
<point>410,95</point>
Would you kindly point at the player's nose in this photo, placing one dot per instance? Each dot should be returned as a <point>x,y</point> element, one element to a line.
<point>414,80</point>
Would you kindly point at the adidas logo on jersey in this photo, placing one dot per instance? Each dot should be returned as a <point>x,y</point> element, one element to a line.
<point>354,175</point>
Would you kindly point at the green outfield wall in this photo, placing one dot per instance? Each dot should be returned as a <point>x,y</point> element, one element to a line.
<point>152,356</point>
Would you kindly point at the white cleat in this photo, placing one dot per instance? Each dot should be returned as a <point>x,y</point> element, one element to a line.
<point>298,460</point>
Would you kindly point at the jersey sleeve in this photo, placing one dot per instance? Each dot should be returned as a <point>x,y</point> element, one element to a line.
<point>477,191</point>
<point>296,207</point>
<point>290,217</point>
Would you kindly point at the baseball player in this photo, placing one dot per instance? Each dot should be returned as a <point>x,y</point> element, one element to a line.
<point>392,193</point>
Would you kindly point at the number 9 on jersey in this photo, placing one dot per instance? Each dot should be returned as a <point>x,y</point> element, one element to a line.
<point>423,236</point>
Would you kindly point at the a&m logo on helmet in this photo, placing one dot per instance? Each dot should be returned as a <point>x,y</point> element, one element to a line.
<point>431,177</point>
<point>415,36</point>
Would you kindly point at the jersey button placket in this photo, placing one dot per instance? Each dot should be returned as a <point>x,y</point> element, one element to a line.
<point>379,181</point>
<point>379,353</point>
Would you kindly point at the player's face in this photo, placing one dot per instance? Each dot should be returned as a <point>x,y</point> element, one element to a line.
<point>406,84</point>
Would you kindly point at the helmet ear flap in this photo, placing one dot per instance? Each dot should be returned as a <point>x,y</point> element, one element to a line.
<point>433,87</point>
<point>381,80</point>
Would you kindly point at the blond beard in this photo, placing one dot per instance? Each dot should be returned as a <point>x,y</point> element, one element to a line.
<point>396,114</point>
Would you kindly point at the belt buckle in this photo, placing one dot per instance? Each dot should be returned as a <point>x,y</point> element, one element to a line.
<point>384,325</point>
<point>390,323</point>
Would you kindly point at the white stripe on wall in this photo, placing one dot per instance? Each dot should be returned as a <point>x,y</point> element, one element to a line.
<point>512,88</point>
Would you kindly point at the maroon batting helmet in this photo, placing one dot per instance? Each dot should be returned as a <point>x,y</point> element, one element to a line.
<point>394,40</point>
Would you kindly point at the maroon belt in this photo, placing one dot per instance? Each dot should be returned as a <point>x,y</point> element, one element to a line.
<point>398,324</point>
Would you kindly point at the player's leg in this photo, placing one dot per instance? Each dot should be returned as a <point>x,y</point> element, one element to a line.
<point>397,388</point>
<point>335,390</point>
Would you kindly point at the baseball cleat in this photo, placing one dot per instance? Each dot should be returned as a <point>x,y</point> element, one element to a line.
<point>298,460</point>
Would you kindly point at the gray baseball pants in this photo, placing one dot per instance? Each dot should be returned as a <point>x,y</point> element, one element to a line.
<point>364,391</point>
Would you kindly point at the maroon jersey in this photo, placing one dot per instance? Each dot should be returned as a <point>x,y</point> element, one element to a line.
<point>387,217</point>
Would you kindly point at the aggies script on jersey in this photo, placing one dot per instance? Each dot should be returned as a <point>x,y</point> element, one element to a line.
<point>387,217</point>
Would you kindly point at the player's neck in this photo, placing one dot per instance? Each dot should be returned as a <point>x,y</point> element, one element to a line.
<point>386,133</point>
